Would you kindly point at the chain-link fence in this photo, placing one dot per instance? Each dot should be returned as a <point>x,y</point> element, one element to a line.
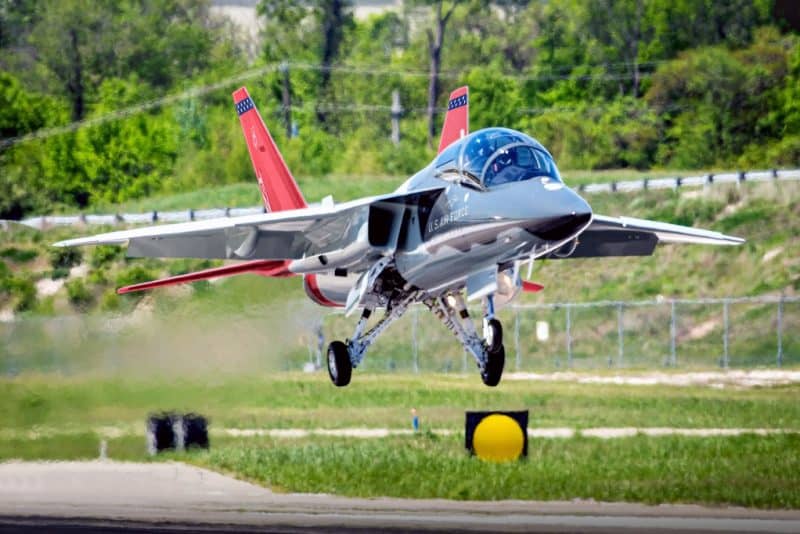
<point>683,334</point>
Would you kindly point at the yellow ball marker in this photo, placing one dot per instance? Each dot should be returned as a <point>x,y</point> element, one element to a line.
<point>497,437</point>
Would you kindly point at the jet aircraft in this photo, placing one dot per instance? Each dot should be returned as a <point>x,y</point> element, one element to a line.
<point>459,230</point>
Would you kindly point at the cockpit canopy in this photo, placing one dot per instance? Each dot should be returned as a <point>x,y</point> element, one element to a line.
<point>495,156</point>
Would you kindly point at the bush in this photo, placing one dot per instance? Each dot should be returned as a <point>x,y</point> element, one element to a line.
<point>22,292</point>
<point>19,255</point>
<point>59,272</point>
<point>110,301</point>
<point>102,255</point>
<point>65,257</point>
<point>78,294</point>
<point>135,274</point>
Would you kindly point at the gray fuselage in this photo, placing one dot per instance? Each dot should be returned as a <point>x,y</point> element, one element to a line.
<point>487,218</point>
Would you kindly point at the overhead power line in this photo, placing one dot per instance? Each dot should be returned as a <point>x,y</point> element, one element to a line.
<point>135,109</point>
<point>45,133</point>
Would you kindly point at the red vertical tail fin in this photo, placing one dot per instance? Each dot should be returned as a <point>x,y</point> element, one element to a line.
<point>456,121</point>
<point>278,187</point>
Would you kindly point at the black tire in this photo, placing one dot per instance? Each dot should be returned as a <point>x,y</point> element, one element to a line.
<point>493,371</point>
<point>497,335</point>
<point>339,367</point>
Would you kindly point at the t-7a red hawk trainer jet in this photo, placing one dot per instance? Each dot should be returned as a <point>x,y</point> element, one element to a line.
<point>459,230</point>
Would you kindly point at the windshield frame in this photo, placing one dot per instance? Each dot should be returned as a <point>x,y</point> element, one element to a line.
<point>538,153</point>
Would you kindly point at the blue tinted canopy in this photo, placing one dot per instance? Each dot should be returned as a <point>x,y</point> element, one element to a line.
<point>495,156</point>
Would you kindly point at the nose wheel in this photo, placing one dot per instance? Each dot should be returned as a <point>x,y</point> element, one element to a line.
<point>492,369</point>
<point>487,349</point>
<point>340,368</point>
<point>493,334</point>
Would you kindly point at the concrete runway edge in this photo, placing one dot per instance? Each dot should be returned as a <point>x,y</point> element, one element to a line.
<point>99,496</point>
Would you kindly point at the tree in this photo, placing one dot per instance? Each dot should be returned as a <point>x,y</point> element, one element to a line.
<point>333,19</point>
<point>160,41</point>
<point>310,33</point>
<point>435,41</point>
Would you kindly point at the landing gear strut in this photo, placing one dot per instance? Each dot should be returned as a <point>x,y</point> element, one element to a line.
<point>343,357</point>
<point>488,351</point>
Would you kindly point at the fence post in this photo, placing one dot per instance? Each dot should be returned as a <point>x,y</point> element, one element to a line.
<point>673,361</point>
<point>620,335</point>
<point>780,331</point>
<point>725,305</point>
<point>415,350</point>
<point>516,338</point>
<point>569,337</point>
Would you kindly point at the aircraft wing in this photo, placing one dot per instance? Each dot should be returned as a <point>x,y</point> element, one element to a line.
<point>283,235</point>
<point>627,236</point>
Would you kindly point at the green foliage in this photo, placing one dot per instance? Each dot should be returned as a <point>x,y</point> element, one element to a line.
<point>19,255</point>
<point>135,274</point>
<point>104,255</point>
<point>78,294</point>
<point>64,257</point>
<point>110,301</point>
<point>183,266</point>
<point>623,84</point>
<point>20,291</point>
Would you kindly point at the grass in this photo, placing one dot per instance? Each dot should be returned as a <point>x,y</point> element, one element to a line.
<point>65,418</point>
<point>747,470</point>
<point>310,401</point>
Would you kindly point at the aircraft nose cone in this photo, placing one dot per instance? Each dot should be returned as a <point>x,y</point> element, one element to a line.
<point>578,207</point>
<point>572,214</point>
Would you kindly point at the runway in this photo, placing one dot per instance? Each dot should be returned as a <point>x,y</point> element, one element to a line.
<point>101,496</point>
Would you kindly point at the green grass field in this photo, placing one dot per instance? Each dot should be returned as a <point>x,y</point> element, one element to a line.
<point>51,417</point>
<point>747,470</point>
<point>217,351</point>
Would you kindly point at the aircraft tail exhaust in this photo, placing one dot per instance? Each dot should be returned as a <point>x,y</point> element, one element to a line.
<point>278,187</point>
<point>456,121</point>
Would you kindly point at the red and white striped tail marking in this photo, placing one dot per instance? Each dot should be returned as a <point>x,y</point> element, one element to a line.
<point>278,187</point>
<point>456,121</point>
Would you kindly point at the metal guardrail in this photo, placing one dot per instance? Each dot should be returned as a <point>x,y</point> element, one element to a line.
<point>49,221</point>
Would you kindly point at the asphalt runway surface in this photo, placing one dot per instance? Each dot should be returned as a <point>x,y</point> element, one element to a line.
<point>105,496</point>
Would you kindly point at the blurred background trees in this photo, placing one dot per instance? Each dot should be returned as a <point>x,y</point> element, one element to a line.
<point>682,84</point>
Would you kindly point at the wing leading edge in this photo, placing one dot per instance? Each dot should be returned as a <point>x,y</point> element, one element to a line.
<point>285,235</point>
<point>628,236</point>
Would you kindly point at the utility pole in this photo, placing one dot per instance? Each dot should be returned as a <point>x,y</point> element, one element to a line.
<point>397,110</point>
<point>286,99</point>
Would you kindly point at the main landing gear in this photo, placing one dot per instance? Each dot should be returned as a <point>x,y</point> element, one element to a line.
<point>343,357</point>
<point>488,351</point>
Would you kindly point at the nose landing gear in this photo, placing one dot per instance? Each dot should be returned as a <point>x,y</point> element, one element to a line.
<point>488,351</point>
<point>492,370</point>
